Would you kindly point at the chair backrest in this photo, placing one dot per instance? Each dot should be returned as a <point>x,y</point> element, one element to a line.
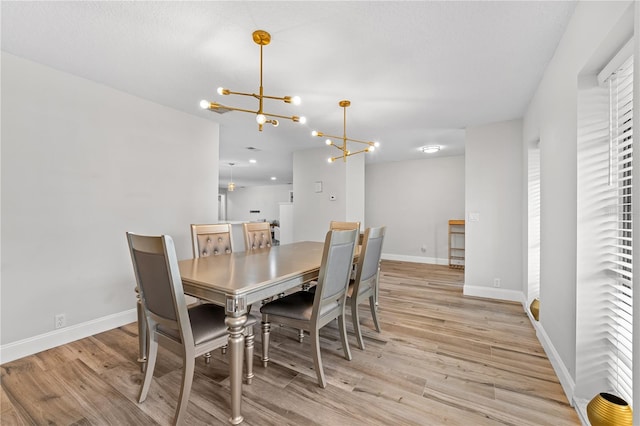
<point>335,269</point>
<point>211,240</point>
<point>257,235</point>
<point>335,225</point>
<point>155,265</point>
<point>369,258</point>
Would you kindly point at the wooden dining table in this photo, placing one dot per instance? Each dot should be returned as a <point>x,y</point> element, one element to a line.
<point>240,279</point>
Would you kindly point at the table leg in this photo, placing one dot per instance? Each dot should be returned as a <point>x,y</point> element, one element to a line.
<point>236,352</point>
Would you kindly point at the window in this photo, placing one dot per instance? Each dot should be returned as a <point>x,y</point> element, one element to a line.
<point>620,330</point>
<point>604,332</point>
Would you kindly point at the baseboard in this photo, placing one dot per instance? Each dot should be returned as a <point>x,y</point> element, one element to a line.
<point>33,345</point>
<point>494,293</point>
<point>415,259</point>
<point>566,381</point>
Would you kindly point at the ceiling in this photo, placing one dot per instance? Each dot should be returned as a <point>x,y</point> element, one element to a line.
<point>416,73</point>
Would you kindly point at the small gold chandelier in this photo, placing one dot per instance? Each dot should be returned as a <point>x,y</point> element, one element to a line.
<point>231,186</point>
<point>261,38</point>
<point>371,146</point>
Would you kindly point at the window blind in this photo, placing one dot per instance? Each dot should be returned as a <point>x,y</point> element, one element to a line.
<point>619,300</point>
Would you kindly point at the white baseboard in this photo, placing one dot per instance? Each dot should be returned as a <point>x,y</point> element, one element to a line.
<point>566,381</point>
<point>33,345</point>
<point>415,259</point>
<point>494,293</point>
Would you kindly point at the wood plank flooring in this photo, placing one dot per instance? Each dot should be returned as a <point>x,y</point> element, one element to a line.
<point>441,359</point>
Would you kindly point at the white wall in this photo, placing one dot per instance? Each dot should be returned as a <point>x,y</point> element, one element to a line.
<point>312,211</point>
<point>355,189</point>
<point>265,198</point>
<point>415,200</point>
<point>82,164</point>
<point>493,188</point>
<point>552,117</point>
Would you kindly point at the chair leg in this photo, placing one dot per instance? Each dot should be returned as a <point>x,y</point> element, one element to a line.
<point>207,358</point>
<point>185,390</point>
<point>266,329</point>
<point>377,288</point>
<point>317,360</point>
<point>248,355</point>
<point>342,325</point>
<point>300,335</point>
<point>223,349</point>
<point>142,335</point>
<point>374,313</point>
<point>355,318</point>
<point>152,354</point>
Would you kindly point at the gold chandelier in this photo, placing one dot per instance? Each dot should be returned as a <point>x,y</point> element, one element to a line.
<point>371,146</point>
<point>261,38</point>
<point>231,186</point>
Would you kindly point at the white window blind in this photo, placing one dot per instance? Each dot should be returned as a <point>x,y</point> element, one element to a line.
<point>619,300</point>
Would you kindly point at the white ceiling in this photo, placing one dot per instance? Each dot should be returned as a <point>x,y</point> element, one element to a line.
<point>417,73</point>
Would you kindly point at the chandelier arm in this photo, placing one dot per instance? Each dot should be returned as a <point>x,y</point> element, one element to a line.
<point>277,115</point>
<point>356,152</point>
<point>234,109</point>
<point>283,98</point>
<point>359,141</point>
<point>324,135</point>
<point>253,95</point>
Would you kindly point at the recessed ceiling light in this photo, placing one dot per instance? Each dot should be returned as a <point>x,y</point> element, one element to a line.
<point>252,161</point>
<point>273,178</point>
<point>431,149</point>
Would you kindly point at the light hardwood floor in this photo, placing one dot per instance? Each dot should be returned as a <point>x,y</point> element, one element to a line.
<point>441,359</point>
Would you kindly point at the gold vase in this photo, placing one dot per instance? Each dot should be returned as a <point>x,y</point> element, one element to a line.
<point>535,309</point>
<point>606,409</point>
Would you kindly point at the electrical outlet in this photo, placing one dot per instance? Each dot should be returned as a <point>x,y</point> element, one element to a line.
<point>60,321</point>
<point>496,282</point>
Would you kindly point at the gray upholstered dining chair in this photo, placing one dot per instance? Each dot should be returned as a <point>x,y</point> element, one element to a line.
<point>312,311</point>
<point>189,332</point>
<point>365,284</point>
<point>257,235</point>
<point>211,240</point>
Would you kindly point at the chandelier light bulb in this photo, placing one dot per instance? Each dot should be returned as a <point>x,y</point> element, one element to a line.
<point>223,91</point>
<point>330,160</point>
<point>261,119</point>
<point>296,100</point>
<point>204,104</point>
<point>314,133</point>
<point>328,142</point>
<point>376,144</point>
<point>303,120</point>
<point>275,123</point>
<point>371,148</point>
